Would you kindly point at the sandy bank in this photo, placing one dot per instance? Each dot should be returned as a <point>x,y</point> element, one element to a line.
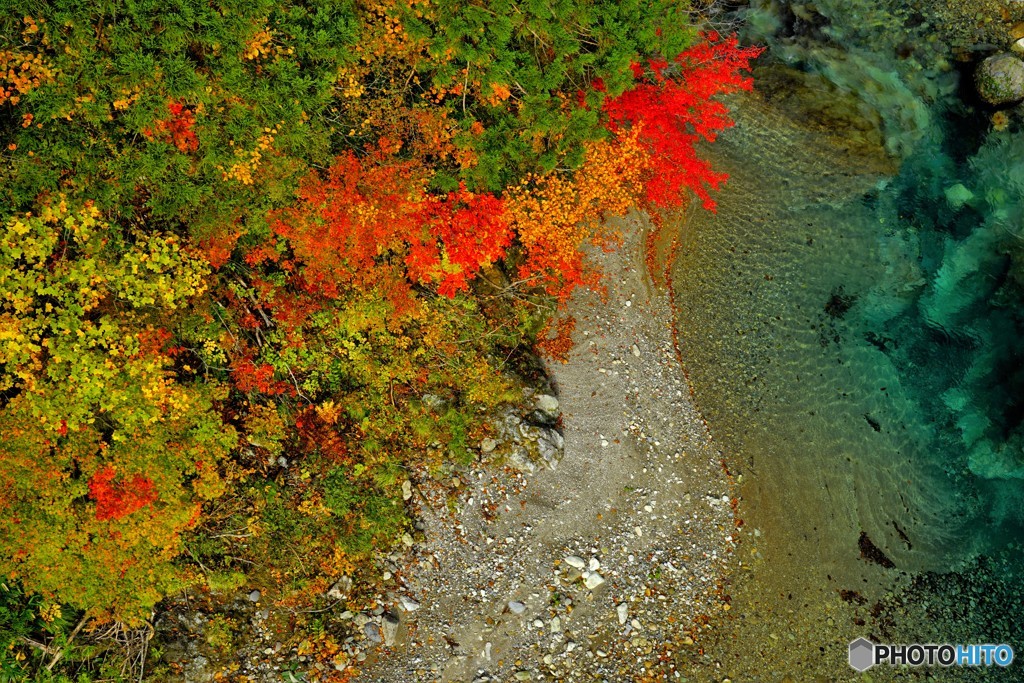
<point>639,497</point>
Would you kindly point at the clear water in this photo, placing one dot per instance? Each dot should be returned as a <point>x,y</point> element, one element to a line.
<point>849,322</point>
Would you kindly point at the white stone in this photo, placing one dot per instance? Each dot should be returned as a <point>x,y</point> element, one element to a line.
<point>547,404</point>
<point>575,561</point>
<point>408,604</point>
<point>622,611</point>
<point>593,580</point>
<point>594,564</point>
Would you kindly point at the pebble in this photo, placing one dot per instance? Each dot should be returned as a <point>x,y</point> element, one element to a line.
<point>622,611</point>
<point>575,561</point>
<point>516,607</point>
<point>408,604</point>
<point>636,350</point>
<point>254,596</point>
<point>593,580</point>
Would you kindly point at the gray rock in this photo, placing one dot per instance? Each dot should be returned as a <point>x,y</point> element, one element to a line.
<point>1000,79</point>
<point>516,607</point>
<point>511,423</point>
<point>408,604</point>
<point>340,588</point>
<point>529,432</point>
<point>198,669</point>
<point>519,458</point>
<point>406,490</point>
<point>547,404</point>
<point>389,625</point>
<point>372,632</point>
<point>550,445</point>
<point>433,401</point>
<point>547,412</point>
<point>254,596</point>
<point>488,445</point>
<point>592,580</point>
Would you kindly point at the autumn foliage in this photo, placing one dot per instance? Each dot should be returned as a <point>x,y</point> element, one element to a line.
<point>260,269</point>
<point>177,129</point>
<point>116,498</point>
<point>674,107</point>
<point>371,224</point>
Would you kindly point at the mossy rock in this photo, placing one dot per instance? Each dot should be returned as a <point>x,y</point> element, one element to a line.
<point>1000,79</point>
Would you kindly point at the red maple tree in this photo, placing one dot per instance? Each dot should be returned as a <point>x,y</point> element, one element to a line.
<point>674,105</point>
<point>177,129</point>
<point>116,499</point>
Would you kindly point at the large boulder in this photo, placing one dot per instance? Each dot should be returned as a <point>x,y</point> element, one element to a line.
<point>1000,79</point>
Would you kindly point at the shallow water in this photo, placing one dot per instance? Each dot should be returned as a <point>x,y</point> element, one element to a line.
<point>842,375</point>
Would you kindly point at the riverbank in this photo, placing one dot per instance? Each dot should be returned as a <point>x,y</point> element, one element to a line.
<point>609,566</point>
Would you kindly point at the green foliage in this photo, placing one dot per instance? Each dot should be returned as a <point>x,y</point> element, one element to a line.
<point>119,66</point>
<point>521,65</point>
<point>226,581</point>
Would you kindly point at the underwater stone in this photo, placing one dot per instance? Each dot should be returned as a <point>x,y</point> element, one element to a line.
<point>1000,79</point>
<point>958,195</point>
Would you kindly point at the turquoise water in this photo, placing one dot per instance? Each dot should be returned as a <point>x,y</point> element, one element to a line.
<point>851,319</point>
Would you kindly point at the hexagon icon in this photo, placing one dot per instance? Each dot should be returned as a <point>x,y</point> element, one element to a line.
<point>862,654</point>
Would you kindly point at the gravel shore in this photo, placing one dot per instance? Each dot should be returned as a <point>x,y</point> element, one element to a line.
<point>607,567</point>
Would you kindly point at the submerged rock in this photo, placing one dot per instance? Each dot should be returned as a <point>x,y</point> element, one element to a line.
<point>1000,79</point>
<point>389,628</point>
